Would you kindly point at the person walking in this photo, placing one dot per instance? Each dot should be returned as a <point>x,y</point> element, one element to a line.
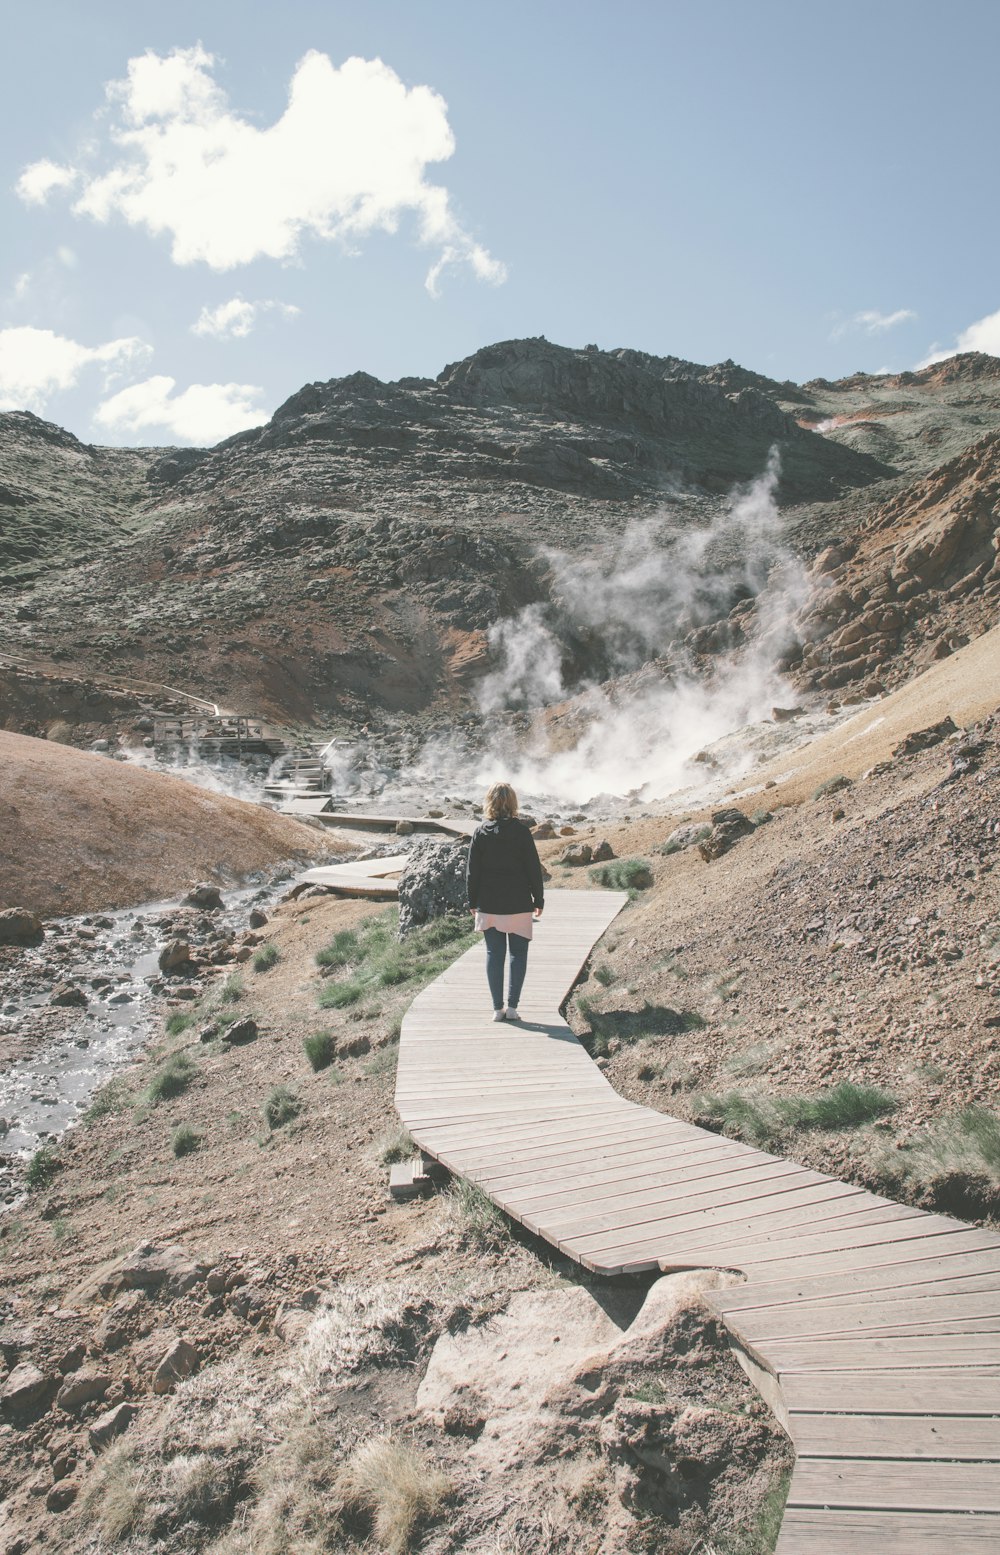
<point>505,890</point>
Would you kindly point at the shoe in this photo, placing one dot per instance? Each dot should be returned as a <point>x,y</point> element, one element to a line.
<point>499,1015</point>
<point>512,1012</point>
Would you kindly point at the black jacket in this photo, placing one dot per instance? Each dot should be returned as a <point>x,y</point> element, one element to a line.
<point>504,873</point>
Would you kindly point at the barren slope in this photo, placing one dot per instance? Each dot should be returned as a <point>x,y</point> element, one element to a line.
<point>81,832</point>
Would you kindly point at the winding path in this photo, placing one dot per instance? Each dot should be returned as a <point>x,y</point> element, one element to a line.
<point>872,1329</point>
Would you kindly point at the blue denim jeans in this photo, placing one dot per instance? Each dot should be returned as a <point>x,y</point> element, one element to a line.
<point>496,953</point>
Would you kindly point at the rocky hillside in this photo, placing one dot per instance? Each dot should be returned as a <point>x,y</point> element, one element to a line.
<point>347,559</point>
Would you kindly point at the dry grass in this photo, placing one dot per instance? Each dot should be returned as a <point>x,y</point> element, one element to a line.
<point>389,1482</point>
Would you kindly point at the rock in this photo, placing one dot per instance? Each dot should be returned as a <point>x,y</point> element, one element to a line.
<point>180,1361</point>
<point>923,739</point>
<point>72,1359</point>
<point>433,883</point>
<point>175,954</point>
<point>69,995</point>
<point>242,1031</point>
<point>24,1389</point>
<point>62,1495</point>
<point>205,896</point>
<point>258,918</point>
<point>150,1267</point>
<point>602,853</point>
<point>577,854</point>
<point>208,1033</point>
<point>404,828</point>
<point>82,1387</point>
<point>18,926</point>
<point>686,836</point>
<point>784,715</point>
<point>728,826</point>
<point>291,1323</point>
<point>544,831</point>
<point>107,1426</point>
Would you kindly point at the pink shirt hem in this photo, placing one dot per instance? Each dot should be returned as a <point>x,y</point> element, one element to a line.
<point>507,922</point>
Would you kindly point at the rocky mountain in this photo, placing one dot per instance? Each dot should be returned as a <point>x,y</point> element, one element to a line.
<point>348,558</point>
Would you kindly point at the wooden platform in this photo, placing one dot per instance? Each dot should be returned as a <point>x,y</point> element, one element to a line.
<point>377,878</point>
<point>872,1329</point>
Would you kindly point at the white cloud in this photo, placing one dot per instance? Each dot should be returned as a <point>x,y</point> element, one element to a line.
<point>39,180</point>
<point>983,335</point>
<point>202,414</point>
<point>348,157</point>
<point>873,322</point>
<point>37,363</point>
<point>237,317</point>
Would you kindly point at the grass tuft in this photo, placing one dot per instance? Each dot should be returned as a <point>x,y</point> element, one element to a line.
<point>179,1022</point>
<point>832,786</point>
<point>175,1077</point>
<point>377,958</point>
<point>624,874</point>
<point>232,989</point>
<point>281,1106</point>
<point>397,1145</point>
<point>482,1224</point>
<point>266,957</point>
<point>185,1141</point>
<point>842,1106</point>
<point>390,1483</point>
<point>113,1097</point>
<point>320,1049</point>
<point>42,1168</point>
<point>383,1060</point>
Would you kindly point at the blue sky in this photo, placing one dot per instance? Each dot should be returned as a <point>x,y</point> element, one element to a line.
<point>810,190</point>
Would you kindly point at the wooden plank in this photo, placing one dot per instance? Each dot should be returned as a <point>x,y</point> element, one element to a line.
<point>974,1438</point>
<point>928,1314</point>
<point>839,1532</point>
<point>844,1354</point>
<point>895,1485</point>
<point>951,1391</point>
<point>922,1277</point>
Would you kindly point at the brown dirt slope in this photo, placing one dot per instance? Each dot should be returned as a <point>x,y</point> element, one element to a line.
<point>81,832</point>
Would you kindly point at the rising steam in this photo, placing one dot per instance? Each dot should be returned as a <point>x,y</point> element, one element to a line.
<point>636,604</point>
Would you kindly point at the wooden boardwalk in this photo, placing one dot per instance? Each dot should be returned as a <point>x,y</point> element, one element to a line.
<point>872,1329</point>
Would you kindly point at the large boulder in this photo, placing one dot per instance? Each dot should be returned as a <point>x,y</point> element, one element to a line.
<point>433,883</point>
<point>20,927</point>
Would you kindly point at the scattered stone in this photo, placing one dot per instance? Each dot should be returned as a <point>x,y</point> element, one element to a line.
<point>24,1389</point>
<point>82,1387</point>
<point>180,1361</point>
<point>258,918</point>
<point>62,1495</point>
<point>208,1033</point>
<point>71,1360</point>
<point>18,926</point>
<point>728,826</point>
<point>784,715</point>
<point>602,853</point>
<point>151,1267</point>
<point>576,855</point>
<point>923,739</point>
<point>69,995</point>
<point>544,831</point>
<point>242,1031</point>
<point>176,953</point>
<point>107,1426</point>
<point>207,897</point>
<point>404,828</point>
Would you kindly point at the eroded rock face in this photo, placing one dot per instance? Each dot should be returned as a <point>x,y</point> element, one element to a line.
<point>921,568</point>
<point>433,883</point>
<point>555,1382</point>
